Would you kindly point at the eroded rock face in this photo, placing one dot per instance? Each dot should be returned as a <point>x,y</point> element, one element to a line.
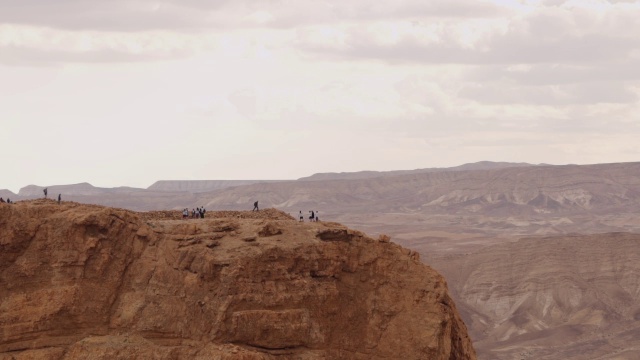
<point>546,298</point>
<point>80,281</point>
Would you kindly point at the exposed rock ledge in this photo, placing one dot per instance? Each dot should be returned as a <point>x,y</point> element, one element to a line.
<point>81,281</point>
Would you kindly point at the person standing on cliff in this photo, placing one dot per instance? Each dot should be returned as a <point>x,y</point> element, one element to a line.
<point>301,216</point>
<point>45,192</point>
<point>59,198</point>
<point>255,206</point>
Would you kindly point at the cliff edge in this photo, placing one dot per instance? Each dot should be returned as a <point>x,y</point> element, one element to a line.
<point>85,281</point>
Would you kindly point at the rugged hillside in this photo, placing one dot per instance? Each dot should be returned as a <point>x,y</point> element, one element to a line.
<point>507,199</point>
<point>571,297</point>
<point>81,281</point>
<point>528,190</point>
<point>514,201</point>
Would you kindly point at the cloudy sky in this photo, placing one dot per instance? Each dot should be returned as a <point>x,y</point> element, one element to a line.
<point>127,92</point>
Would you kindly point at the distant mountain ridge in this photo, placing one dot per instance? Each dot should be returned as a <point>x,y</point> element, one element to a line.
<point>202,186</point>
<point>481,165</point>
<point>196,186</point>
<point>4,193</point>
<point>495,189</point>
<point>73,189</point>
<point>502,191</point>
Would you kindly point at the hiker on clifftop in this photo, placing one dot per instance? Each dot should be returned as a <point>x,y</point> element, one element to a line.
<point>59,198</point>
<point>312,216</point>
<point>255,206</point>
<point>45,192</point>
<point>1,200</point>
<point>301,216</point>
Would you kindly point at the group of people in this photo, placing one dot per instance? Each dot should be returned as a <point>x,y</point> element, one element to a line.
<point>46,192</point>
<point>313,216</point>
<point>8,201</point>
<point>197,213</point>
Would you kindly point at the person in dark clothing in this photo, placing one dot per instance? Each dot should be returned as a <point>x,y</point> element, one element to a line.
<point>202,212</point>
<point>59,198</point>
<point>9,201</point>
<point>255,206</point>
<point>2,200</point>
<point>312,216</point>
<point>45,192</point>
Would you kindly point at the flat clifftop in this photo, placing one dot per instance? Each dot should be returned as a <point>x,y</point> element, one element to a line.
<point>85,281</point>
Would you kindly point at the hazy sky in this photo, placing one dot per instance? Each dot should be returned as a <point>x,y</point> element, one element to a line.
<point>127,92</point>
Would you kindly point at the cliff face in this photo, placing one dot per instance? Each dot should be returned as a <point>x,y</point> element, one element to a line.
<point>80,281</point>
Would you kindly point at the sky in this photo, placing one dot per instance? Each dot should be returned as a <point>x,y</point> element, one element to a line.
<point>127,92</point>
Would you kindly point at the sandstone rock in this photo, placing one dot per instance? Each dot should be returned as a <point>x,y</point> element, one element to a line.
<point>270,229</point>
<point>82,281</point>
<point>384,238</point>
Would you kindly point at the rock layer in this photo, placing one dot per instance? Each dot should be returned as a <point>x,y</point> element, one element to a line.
<point>82,281</point>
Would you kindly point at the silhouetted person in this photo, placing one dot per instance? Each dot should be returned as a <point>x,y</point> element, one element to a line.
<point>255,206</point>
<point>45,192</point>
<point>301,216</point>
<point>9,201</point>
<point>2,200</point>
<point>59,198</point>
<point>312,216</point>
<point>317,217</point>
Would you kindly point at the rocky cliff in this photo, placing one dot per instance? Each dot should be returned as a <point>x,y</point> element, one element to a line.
<point>84,281</point>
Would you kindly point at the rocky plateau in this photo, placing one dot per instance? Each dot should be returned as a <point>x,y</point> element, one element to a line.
<point>84,281</point>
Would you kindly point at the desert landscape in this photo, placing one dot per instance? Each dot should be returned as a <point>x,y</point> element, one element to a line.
<point>483,151</point>
<point>542,261</point>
